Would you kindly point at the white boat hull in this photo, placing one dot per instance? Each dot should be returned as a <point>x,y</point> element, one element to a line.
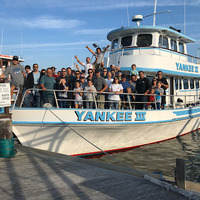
<point>57,130</point>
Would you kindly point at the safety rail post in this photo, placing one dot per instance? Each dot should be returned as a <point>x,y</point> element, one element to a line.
<point>185,101</point>
<point>56,100</point>
<point>95,102</point>
<point>129,102</point>
<point>180,174</point>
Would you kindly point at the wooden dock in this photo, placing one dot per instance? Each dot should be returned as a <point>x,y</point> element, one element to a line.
<point>41,175</point>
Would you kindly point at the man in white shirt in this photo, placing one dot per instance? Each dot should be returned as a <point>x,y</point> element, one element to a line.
<point>86,65</point>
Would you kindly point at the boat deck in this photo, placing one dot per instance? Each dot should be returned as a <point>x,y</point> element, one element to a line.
<point>37,174</point>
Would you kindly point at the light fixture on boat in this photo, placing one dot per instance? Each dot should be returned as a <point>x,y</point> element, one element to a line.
<point>137,19</point>
<point>95,45</point>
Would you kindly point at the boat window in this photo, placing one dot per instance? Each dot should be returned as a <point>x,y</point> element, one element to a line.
<point>191,83</point>
<point>173,45</point>
<point>181,47</point>
<point>126,41</point>
<point>163,42</point>
<point>185,83</point>
<point>197,83</point>
<point>180,84</point>
<point>114,44</point>
<point>176,83</point>
<point>144,40</point>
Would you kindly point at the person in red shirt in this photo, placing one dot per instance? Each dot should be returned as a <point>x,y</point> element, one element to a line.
<point>54,72</point>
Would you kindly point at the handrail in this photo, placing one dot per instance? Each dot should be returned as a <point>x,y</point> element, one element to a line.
<point>185,102</point>
<point>139,47</point>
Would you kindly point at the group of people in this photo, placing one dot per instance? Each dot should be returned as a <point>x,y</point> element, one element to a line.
<point>108,87</point>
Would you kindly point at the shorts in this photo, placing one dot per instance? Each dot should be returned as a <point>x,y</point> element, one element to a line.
<point>20,87</point>
<point>78,102</point>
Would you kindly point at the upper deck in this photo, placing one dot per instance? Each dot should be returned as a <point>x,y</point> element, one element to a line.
<point>153,48</point>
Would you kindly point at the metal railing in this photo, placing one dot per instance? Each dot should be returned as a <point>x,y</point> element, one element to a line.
<point>184,100</point>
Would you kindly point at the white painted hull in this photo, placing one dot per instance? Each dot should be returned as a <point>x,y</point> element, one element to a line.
<point>43,129</point>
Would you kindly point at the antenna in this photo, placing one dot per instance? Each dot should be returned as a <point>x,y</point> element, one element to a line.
<point>21,44</point>
<point>127,16</point>
<point>1,41</point>
<point>184,14</point>
<point>154,13</point>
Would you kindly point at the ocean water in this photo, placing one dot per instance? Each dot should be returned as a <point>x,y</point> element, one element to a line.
<point>161,157</point>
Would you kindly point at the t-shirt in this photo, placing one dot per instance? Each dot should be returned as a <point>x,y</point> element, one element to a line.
<point>134,72</point>
<point>86,67</point>
<point>133,86</point>
<point>78,97</point>
<point>49,83</point>
<point>89,95</point>
<point>158,91</point>
<point>36,77</point>
<point>125,84</point>
<point>100,57</point>
<point>99,83</point>
<point>108,82</point>
<point>16,73</point>
<point>115,88</point>
<point>164,81</point>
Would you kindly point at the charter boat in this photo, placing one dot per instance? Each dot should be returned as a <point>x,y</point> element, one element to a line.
<point>80,132</point>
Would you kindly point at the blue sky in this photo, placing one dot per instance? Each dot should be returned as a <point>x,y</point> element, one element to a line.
<point>51,32</point>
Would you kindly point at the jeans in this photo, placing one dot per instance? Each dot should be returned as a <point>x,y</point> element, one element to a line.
<point>89,104</point>
<point>114,104</point>
<point>62,104</point>
<point>140,98</point>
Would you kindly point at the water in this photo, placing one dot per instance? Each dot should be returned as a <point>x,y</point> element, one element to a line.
<point>161,157</point>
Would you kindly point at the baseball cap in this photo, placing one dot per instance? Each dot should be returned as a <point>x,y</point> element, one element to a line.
<point>15,58</point>
<point>123,75</point>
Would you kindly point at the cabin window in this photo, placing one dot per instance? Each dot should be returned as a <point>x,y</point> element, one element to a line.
<point>197,83</point>
<point>144,40</point>
<point>180,84</point>
<point>191,83</point>
<point>185,83</point>
<point>173,45</point>
<point>114,44</point>
<point>163,42</point>
<point>126,41</point>
<point>176,84</point>
<point>181,47</point>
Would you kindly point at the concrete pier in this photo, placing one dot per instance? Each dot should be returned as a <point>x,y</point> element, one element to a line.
<point>36,174</point>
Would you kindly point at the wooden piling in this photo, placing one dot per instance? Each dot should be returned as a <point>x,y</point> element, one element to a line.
<point>180,173</point>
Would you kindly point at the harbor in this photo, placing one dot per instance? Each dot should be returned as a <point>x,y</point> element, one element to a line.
<point>38,174</point>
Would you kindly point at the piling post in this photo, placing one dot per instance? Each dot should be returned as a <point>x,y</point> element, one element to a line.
<point>180,173</point>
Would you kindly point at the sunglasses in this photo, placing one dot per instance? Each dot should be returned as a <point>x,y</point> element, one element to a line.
<point>90,72</point>
<point>63,71</point>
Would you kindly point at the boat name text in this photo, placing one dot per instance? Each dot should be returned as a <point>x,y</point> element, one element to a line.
<point>109,116</point>
<point>188,68</point>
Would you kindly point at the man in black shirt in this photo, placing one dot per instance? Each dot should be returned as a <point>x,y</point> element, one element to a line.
<point>164,86</point>
<point>143,86</point>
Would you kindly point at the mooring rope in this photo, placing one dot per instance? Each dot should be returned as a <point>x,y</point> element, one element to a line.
<point>114,158</point>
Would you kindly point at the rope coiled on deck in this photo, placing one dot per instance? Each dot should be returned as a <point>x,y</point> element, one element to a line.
<point>7,148</point>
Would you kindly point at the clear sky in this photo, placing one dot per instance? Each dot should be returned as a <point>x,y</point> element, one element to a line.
<point>51,32</point>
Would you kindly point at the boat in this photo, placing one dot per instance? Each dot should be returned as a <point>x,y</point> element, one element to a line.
<point>83,132</point>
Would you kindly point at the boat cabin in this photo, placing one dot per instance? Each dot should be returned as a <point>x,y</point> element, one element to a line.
<point>153,49</point>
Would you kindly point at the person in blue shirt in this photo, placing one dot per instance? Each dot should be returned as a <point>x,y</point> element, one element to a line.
<point>125,85</point>
<point>134,70</point>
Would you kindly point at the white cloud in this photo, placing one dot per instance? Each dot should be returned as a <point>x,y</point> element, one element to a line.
<point>94,31</point>
<point>44,22</point>
<point>40,45</point>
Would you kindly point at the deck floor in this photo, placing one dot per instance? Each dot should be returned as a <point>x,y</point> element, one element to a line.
<point>34,174</point>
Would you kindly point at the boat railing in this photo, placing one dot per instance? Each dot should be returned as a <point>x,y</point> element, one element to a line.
<point>125,102</point>
<point>190,58</point>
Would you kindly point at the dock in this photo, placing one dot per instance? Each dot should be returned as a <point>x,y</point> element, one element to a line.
<point>38,174</point>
